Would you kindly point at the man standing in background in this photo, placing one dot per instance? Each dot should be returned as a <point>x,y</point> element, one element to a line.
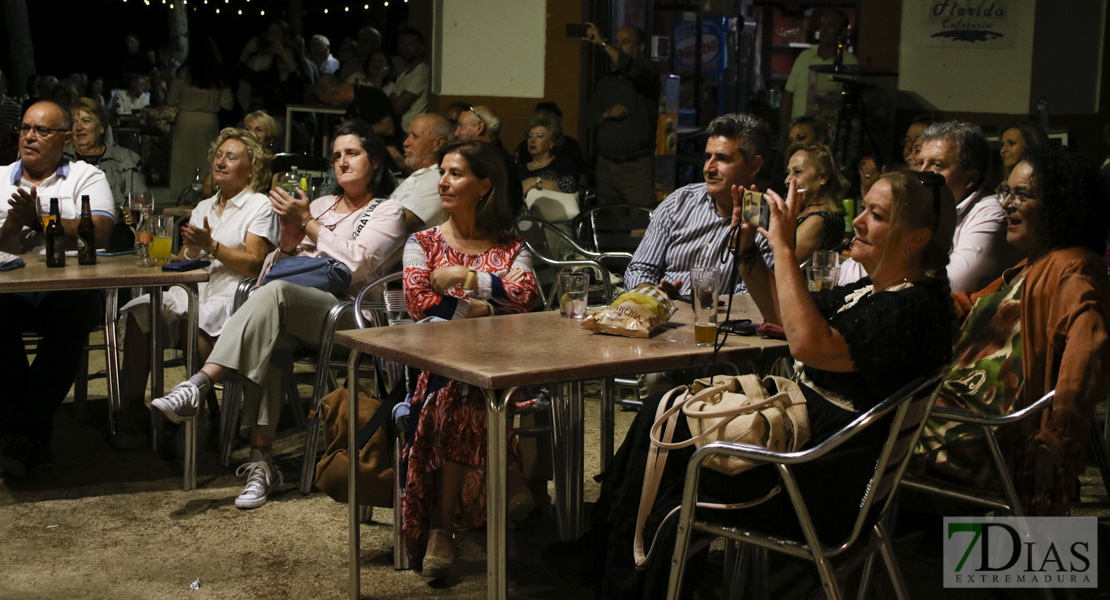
<point>623,113</point>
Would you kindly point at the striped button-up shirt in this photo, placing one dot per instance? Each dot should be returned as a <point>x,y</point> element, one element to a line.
<point>686,231</point>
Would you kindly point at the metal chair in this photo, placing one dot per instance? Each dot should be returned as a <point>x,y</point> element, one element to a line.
<point>552,247</point>
<point>1005,499</point>
<point>612,227</point>
<point>324,380</point>
<point>907,410</point>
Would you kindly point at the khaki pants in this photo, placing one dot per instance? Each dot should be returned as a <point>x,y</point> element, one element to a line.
<point>259,340</point>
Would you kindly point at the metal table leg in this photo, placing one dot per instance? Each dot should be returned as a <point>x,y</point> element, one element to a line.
<point>497,462</point>
<point>191,366</point>
<point>354,584</point>
<point>115,408</point>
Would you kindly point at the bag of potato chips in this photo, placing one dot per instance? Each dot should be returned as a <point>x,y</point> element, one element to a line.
<point>635,313</point>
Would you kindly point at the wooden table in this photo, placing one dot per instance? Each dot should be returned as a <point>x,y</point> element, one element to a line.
<point>500,354</point>
<point>111,273</point>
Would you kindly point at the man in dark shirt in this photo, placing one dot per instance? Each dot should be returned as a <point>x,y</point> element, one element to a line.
<point>624,111</point>
<point>362,102</point>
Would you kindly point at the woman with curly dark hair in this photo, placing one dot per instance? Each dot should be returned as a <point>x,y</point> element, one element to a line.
<point>1040,327</point>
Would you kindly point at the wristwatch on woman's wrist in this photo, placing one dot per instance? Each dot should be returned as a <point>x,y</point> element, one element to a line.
<point>470,284</point>
<point>539,183</point>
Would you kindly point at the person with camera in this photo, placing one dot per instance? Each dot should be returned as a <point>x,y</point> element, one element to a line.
<point>623,114</point>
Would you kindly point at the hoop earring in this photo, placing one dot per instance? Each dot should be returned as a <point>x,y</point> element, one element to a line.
<point>906,253</point>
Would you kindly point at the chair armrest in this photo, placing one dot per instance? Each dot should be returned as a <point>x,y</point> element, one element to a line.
<point>961,415</point>
<point>243,291</point>
<point>865,420</point>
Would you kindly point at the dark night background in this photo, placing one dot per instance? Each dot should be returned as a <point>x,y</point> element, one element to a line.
<point>88,35</point>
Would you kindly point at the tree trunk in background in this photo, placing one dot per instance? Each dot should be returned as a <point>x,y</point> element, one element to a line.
<point>179,31</point>
<point>17,28</point>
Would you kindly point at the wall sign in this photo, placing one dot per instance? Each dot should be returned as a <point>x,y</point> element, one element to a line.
<point>973,24</point>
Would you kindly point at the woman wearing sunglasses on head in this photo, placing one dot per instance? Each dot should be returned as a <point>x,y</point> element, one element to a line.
<point>853,346</point>
<point>1038,328</point>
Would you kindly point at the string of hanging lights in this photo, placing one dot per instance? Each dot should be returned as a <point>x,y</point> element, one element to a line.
<point>240,7</point>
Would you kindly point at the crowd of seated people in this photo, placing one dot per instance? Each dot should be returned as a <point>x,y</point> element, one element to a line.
<point>942,263</point>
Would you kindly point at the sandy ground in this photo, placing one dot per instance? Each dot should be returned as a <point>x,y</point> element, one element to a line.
<point>102,523</point>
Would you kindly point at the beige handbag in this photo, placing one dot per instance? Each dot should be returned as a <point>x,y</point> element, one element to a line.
<point>718,411</point>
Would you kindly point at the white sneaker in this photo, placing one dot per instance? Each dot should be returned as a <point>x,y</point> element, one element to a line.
<point>181,403</point>
<point>262,476</point>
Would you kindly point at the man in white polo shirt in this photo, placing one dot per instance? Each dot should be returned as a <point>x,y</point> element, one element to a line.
<point>30,393</point>
<point>419,193</point>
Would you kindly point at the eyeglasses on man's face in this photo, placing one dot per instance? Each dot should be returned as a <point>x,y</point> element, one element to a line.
<point>1017,196</point>
<point>40,131</point>
<point>470,108</point>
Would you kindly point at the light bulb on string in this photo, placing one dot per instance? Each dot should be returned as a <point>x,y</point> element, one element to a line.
<point>262,13</point>
<point>217,11</point>
<point>325,11</point>
<point>346,9</point>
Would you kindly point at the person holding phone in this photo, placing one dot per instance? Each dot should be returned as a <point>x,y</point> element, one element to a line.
<point>623,114</point>
<point>235,230</point>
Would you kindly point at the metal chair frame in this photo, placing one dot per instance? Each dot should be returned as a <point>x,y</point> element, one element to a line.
<point>595,261</point>
<point>324,380</point>
<point>590,216</point>
<point>908,409</point>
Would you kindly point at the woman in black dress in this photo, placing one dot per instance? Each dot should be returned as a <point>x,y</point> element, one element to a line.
<point>854,346</point>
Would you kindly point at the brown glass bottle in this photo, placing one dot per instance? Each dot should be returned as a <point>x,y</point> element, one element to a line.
<point>86,235</point>
<point>55,237</point>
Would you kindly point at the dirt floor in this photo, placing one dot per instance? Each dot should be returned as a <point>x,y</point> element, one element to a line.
<point>102,523</point>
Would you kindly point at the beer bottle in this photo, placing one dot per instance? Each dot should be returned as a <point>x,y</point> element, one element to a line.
<point>86,235</point>
<point>55,237</point>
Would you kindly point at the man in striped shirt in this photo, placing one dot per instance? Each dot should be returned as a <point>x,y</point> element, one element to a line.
<point>689,228</point>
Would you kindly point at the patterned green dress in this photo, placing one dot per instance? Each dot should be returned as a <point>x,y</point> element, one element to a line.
<point>986,378</point>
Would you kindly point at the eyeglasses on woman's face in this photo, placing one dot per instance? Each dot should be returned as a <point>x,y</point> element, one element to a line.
<point>1017,195</point>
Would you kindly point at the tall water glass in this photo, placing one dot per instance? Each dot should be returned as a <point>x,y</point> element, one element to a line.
<point>705,285</point>
<point>573,288</point>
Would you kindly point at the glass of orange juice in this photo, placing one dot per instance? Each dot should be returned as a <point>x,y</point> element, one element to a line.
<point>162,246</point>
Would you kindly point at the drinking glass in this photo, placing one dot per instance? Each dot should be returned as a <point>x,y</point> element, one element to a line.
<point>162,246</point>
<point>821,278</point>
<point>705,284</point>
<point>573,288</point>
<point>825,259</point>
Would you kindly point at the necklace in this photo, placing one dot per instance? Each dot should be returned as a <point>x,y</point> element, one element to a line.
<point>536,165</point>
<point>331,209</point>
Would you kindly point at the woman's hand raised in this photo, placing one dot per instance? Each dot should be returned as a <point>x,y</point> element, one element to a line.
<point>784,218</point>
<point>746,239</point>
<point>197,237</point>
<point>292,209</point>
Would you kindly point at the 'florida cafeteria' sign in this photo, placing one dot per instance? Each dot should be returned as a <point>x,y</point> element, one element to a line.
<point>969,24</point>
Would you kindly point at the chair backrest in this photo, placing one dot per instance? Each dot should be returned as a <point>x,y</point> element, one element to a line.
<point>548,260</point>
<point>914,401</point>
<point>382,303</point>
<point>612,227</point>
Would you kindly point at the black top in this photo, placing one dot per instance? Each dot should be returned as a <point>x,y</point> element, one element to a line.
<point>561,170</point>
<point>832,231</point>
<point>372,105</point>
<point>635,84</point>
<point>893,338</point>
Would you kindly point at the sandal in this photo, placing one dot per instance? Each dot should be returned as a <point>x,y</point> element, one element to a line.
<point>437,566</point>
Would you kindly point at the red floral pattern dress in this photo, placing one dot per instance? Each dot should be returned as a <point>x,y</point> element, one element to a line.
<point>452,421</point>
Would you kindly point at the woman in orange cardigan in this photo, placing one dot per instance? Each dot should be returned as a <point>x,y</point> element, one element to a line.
<point>1041,327</point>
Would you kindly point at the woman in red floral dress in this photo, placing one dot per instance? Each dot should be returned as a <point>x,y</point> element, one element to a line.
<point>470,266</point>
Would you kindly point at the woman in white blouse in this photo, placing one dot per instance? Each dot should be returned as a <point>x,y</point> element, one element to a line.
<point>358,227</point>
<point>235,230</point>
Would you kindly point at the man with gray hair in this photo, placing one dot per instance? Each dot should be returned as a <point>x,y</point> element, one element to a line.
<point>419,193</point>
<point>481,124</point>
<point>320,48</point>
<point>959,151</point>
<point>691,226</point>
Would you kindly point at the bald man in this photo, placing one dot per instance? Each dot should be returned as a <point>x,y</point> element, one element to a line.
<point>31,392</point>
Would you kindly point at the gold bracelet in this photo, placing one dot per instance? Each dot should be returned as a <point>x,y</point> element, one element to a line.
<point>471,282</point>
<point>305,224</point>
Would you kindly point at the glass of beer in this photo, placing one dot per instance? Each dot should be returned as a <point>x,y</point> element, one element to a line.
<point>704,287</point>
<point>162,246</point>
<point>573,288</point>
<point>821,278</point>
